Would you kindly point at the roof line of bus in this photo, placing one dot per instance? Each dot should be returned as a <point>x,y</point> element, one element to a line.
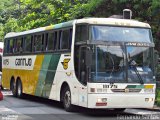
<point>40,29</point>
<point>109,21</point>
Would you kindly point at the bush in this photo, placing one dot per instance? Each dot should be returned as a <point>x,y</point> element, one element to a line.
<point>158,96</point>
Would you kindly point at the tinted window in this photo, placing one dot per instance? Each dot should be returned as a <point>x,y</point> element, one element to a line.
<point>81,33</point>
<point>38,42</point>
<point>51,40</point>
<point>28,43</point>
<point>11,46</point>
<point>6,46</point>
<point>59,39</point>
<point>65,39</point>
<point>19,45</point>
<point>113,33</point>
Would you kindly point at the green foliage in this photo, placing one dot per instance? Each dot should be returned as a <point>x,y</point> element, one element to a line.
<point>158,96</point>
<point>20,15</point>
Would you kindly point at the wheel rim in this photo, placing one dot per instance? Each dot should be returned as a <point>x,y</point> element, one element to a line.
<point>67,99</point>
<point>19,89</point>
<point>13,87</point>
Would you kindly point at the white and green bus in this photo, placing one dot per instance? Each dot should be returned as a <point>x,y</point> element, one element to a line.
<point>95,63</point>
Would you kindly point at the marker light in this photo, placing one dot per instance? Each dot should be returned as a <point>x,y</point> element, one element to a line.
<point>99,90</point>
<point>148,90</point>
<point>149,99</point>
<point>92,89</point>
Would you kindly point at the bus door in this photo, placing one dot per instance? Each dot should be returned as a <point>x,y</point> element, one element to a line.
<point>82,89</point>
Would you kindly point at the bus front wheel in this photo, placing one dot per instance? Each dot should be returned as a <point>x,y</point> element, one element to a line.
<point>67,100</point>
<point>120,109</point>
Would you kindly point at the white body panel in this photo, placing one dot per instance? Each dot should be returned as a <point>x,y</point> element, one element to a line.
<point>126,100</point>
<point>19,62</point>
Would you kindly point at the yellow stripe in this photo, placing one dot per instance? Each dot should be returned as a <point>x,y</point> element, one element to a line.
<point>49,27</point>
<point>37,68</point>
<point>148,86</point>
<point>29,78</point>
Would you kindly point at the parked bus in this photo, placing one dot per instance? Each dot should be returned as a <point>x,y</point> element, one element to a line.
<point>95,63</point>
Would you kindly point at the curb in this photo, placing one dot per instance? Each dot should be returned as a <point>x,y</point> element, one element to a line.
<point>150,109</point>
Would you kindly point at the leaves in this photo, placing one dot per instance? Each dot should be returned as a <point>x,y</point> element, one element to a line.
<point>20,15</point>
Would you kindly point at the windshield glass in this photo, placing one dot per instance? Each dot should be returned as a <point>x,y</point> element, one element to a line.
<point>111,63</point>
<point>142,69</point>
<point>113,33</point>
<point>108,65</point>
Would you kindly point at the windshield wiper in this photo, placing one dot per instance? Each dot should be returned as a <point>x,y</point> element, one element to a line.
<point>136,71</point>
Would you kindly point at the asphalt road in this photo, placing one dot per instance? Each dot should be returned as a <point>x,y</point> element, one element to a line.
<point>35,108</point>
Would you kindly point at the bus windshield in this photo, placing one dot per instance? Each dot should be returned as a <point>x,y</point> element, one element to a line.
<point>112,63</point>
<point>113,33</point>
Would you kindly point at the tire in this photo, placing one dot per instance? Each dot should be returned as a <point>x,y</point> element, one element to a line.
<point>19,89</point>
<point>2,87</point>
<point>67,100</point>
<point>13,88</point>
<point>120,109</point>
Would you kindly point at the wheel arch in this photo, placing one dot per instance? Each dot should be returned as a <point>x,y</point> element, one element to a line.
<point>11,81</point>
<point>63,86</point>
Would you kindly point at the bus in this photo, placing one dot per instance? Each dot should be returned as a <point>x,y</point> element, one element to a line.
<point>96,63</point>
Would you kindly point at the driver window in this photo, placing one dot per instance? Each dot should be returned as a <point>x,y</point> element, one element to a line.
<point>81,33</point>
<point>82,66</point>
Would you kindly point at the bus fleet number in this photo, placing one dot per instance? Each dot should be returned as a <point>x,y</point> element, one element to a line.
<point>110,86</point>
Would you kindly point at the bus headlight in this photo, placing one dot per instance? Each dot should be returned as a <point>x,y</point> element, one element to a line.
<point>99,100</point>
<point>148,90</point>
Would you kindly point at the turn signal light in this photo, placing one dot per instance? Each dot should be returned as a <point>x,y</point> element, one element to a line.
<point>148,99</point>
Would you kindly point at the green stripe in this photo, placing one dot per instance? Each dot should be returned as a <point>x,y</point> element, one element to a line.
<point>135,86</point>
<point>42,75</point>
<point>50,75</point>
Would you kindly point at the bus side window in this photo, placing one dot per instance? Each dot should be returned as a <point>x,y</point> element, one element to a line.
<point>50,41</point>
<point>19,45</point>
<point>70,38</point>
<point>6,48</point>
<point>43,43</point>
<point>38,43</point>
<point>65,40</point>
<point>28,44</point>
<point>55,43</point>
<point>81,33</point>
<point>11,46</point>
<point>58,46</point>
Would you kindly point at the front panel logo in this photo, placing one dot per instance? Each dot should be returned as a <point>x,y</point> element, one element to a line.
<point>65,63</point>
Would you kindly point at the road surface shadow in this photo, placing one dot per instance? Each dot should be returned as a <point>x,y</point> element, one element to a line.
<point>78,110</point>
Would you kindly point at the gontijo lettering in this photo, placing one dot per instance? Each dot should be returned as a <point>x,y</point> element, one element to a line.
<point>23,62</point>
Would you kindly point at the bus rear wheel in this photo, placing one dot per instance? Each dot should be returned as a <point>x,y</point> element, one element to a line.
<point>67,100</point>
<point>13,87</point>
<point>19,89</point>
<point>120,109</point>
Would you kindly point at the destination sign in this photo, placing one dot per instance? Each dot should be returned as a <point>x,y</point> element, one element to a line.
<point>139,44</point>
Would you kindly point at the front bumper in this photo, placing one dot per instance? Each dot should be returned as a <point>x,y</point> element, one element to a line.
<point>125,100</point>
